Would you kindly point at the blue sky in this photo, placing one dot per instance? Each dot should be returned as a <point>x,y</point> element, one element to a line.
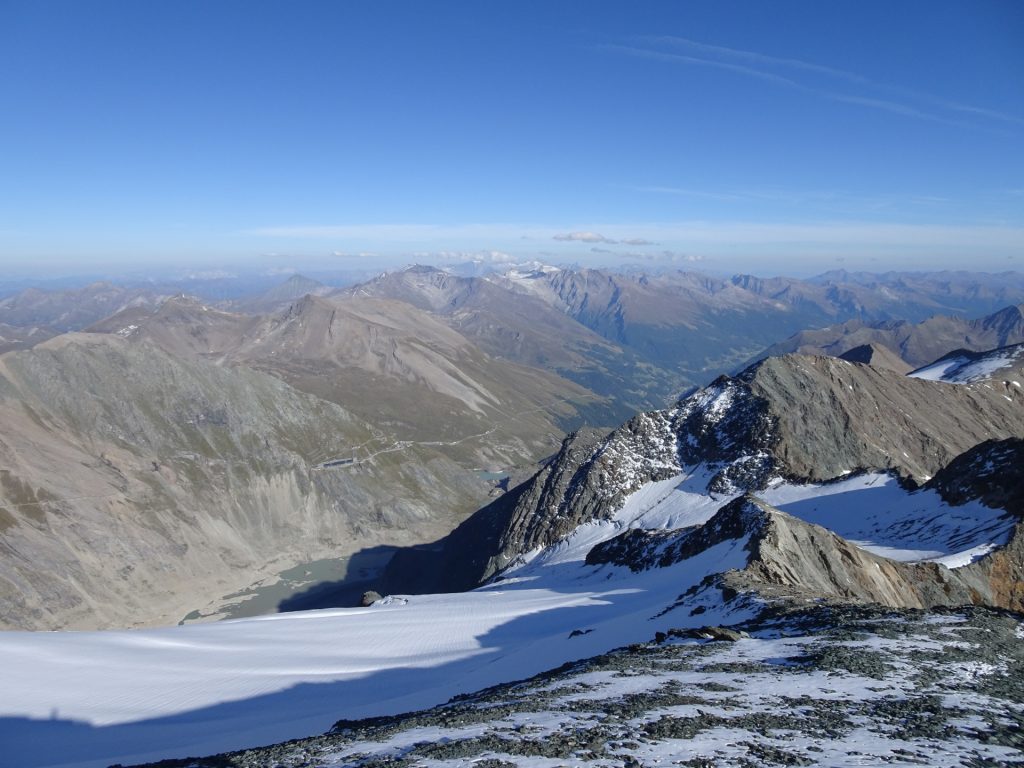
<point>721,136</point>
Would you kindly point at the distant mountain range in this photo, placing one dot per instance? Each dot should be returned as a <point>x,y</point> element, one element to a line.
<point>188,423</point>
<point>916,344</point>
<point>634,338</point>
<point>72,309</point>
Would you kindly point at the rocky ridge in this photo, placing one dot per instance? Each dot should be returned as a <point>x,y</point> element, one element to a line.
<point>915,343</point>
<point>796,560</point>
<point>805,419</point>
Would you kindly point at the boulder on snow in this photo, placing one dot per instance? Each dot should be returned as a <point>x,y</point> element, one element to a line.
<point>369,598</point>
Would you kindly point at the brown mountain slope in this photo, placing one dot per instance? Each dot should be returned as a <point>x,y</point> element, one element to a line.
<point>137,486</point>
<point>398,367</point>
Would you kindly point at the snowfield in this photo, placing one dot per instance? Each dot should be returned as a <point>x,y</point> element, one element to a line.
<point>96,698</point>
<point>971,368</point>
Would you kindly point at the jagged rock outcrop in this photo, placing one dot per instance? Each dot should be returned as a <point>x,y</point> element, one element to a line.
<point>792,558</point>
<point>795,560</point>
<point>807,419</point>
<point>640,549</point>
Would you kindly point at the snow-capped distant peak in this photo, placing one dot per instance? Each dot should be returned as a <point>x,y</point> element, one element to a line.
<point>530,270</point>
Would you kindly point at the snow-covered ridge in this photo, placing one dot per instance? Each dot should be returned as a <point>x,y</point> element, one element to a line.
<point>969,367</point>
<point>870,510</point>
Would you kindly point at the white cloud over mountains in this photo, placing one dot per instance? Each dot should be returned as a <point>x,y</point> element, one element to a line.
<point>584,237</point>
<point>594,237</point>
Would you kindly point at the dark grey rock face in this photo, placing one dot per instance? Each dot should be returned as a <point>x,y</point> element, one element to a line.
<point>992,472</point>
<point>641,550</point>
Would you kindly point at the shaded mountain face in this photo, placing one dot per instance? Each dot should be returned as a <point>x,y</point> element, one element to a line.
<point>802,419</point>
<point>916,344</point>
<point>876,355</point>
<point>138,486</point>
<point>992,471</point>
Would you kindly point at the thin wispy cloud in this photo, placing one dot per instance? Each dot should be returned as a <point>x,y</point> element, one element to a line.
<point>770,69</point>
<point>664,255</point>
<point>456,257</point>
<point>583,237</point>
<point>850,77</point>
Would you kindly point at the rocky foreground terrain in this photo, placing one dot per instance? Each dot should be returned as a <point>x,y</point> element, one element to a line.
<point>825,685</point>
